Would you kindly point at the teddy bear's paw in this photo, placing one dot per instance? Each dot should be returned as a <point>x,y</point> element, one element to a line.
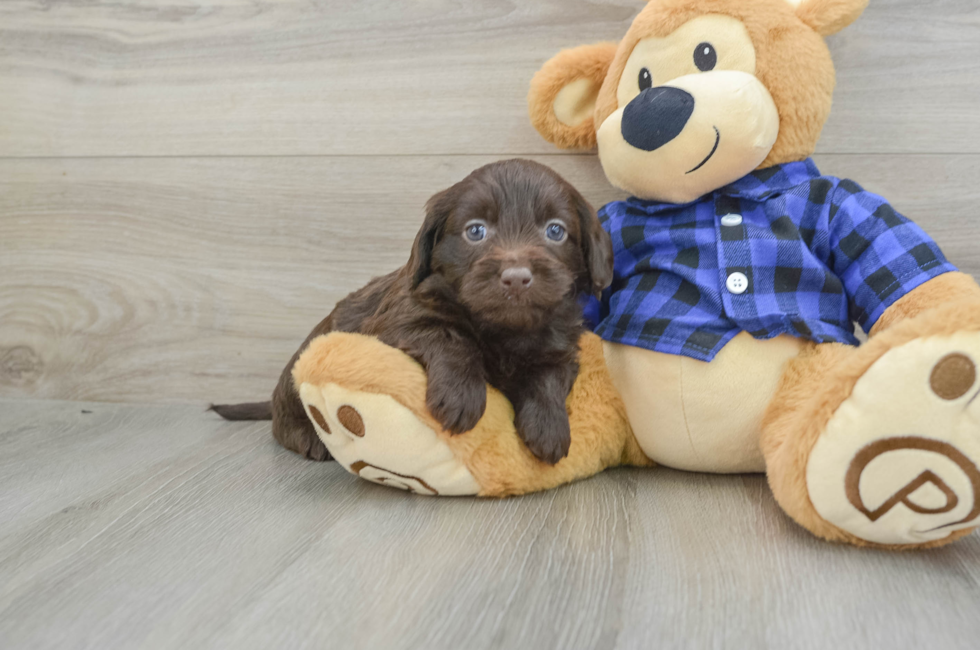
<point>375,437</point>
<point>899,462</point>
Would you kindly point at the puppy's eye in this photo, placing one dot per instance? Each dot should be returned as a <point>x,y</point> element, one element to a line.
<point>705,57</point>
<point>475,231</point>
<point>645,80</point>
<point>555,232</point>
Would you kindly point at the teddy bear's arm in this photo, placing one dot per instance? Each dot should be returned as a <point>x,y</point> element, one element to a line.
<point>878,254</point>
<point>945,289</point>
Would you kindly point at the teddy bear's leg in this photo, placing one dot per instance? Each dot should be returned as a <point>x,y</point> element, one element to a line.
<point>880,445</point>
<point>378,439</point>
<point>367,402</point>
<point>352,388</point>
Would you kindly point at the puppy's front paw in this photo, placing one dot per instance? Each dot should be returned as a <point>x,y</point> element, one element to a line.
<point>545,431</point>
<point>457,405</point>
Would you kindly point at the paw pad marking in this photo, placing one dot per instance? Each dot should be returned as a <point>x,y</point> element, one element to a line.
<point>319,419</point>
<point>864,457</point>
<point>953,376</point>
<point>351,419</point>
<point>402,451</point>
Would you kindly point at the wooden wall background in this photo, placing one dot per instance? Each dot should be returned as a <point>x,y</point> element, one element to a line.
<point>187,187</point>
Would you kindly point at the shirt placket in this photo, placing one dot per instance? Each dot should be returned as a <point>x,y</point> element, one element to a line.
<point>735,262</point>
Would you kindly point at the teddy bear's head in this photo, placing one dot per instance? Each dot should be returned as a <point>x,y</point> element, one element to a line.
<point>697,94</point>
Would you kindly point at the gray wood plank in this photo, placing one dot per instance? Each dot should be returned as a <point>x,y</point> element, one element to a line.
<point>294,77</point>
<point>232,542</point>
<point>195,279</point>
<point>907,78</point>
<point>378,77</point>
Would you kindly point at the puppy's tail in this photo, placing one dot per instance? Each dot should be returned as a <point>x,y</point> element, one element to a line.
<point>247,411</point>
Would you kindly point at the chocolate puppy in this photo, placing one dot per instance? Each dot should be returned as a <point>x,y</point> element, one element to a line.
<point>489,295</point>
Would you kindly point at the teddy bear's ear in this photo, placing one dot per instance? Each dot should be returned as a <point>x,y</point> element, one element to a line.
<point>828,16</point>
<point>563,95</point>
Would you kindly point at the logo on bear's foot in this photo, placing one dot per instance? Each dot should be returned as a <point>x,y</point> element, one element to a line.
<point>904,496</point>
<point>384,476</point>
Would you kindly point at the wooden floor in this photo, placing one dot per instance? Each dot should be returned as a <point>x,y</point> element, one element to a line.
<point>130,526</point>
<point>187,187</point>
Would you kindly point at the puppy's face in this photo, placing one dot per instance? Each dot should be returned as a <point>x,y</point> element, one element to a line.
<point>515,241</point>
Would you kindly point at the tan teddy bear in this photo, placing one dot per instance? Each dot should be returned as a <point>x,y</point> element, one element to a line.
<point>726,341</point>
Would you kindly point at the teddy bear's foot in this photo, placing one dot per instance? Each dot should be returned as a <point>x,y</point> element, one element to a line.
<point>899,461</point>
<point>348,384</point>
<point>367,403</point>
<point>378,439</point>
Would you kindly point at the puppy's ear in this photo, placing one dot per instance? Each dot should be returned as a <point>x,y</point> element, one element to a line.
<point>563,95</point>
<point>437,211</point>
<point>597,248</point>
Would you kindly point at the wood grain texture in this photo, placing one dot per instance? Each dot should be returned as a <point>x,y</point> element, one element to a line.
<point>195,279</point>
<point>287,77</point>
<point>163,527</point>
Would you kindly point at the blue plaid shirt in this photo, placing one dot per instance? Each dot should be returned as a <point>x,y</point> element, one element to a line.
<point>783,250</point>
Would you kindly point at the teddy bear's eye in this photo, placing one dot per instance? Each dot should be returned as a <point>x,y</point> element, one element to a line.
<point>645,79</point>
<point>705,57</point>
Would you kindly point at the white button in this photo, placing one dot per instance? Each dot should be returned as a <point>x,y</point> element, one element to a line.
<point>731,220</point>
<point>737,283</point>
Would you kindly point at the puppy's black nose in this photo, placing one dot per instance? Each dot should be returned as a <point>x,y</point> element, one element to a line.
<point>656,116</point>
<point>516,279</point>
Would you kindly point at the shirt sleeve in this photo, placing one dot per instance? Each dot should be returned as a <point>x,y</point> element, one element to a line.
<point>878,254</point>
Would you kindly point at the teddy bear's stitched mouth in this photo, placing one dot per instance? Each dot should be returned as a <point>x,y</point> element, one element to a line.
<point>713,150</point>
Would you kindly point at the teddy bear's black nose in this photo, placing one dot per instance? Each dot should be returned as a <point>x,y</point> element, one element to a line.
<point>656,116</point>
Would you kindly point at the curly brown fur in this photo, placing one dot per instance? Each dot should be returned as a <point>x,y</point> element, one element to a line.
<point>487,296</point>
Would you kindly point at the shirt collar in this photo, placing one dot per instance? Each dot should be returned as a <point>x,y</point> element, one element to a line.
<point>763,183</point>
<point>757,186</point>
